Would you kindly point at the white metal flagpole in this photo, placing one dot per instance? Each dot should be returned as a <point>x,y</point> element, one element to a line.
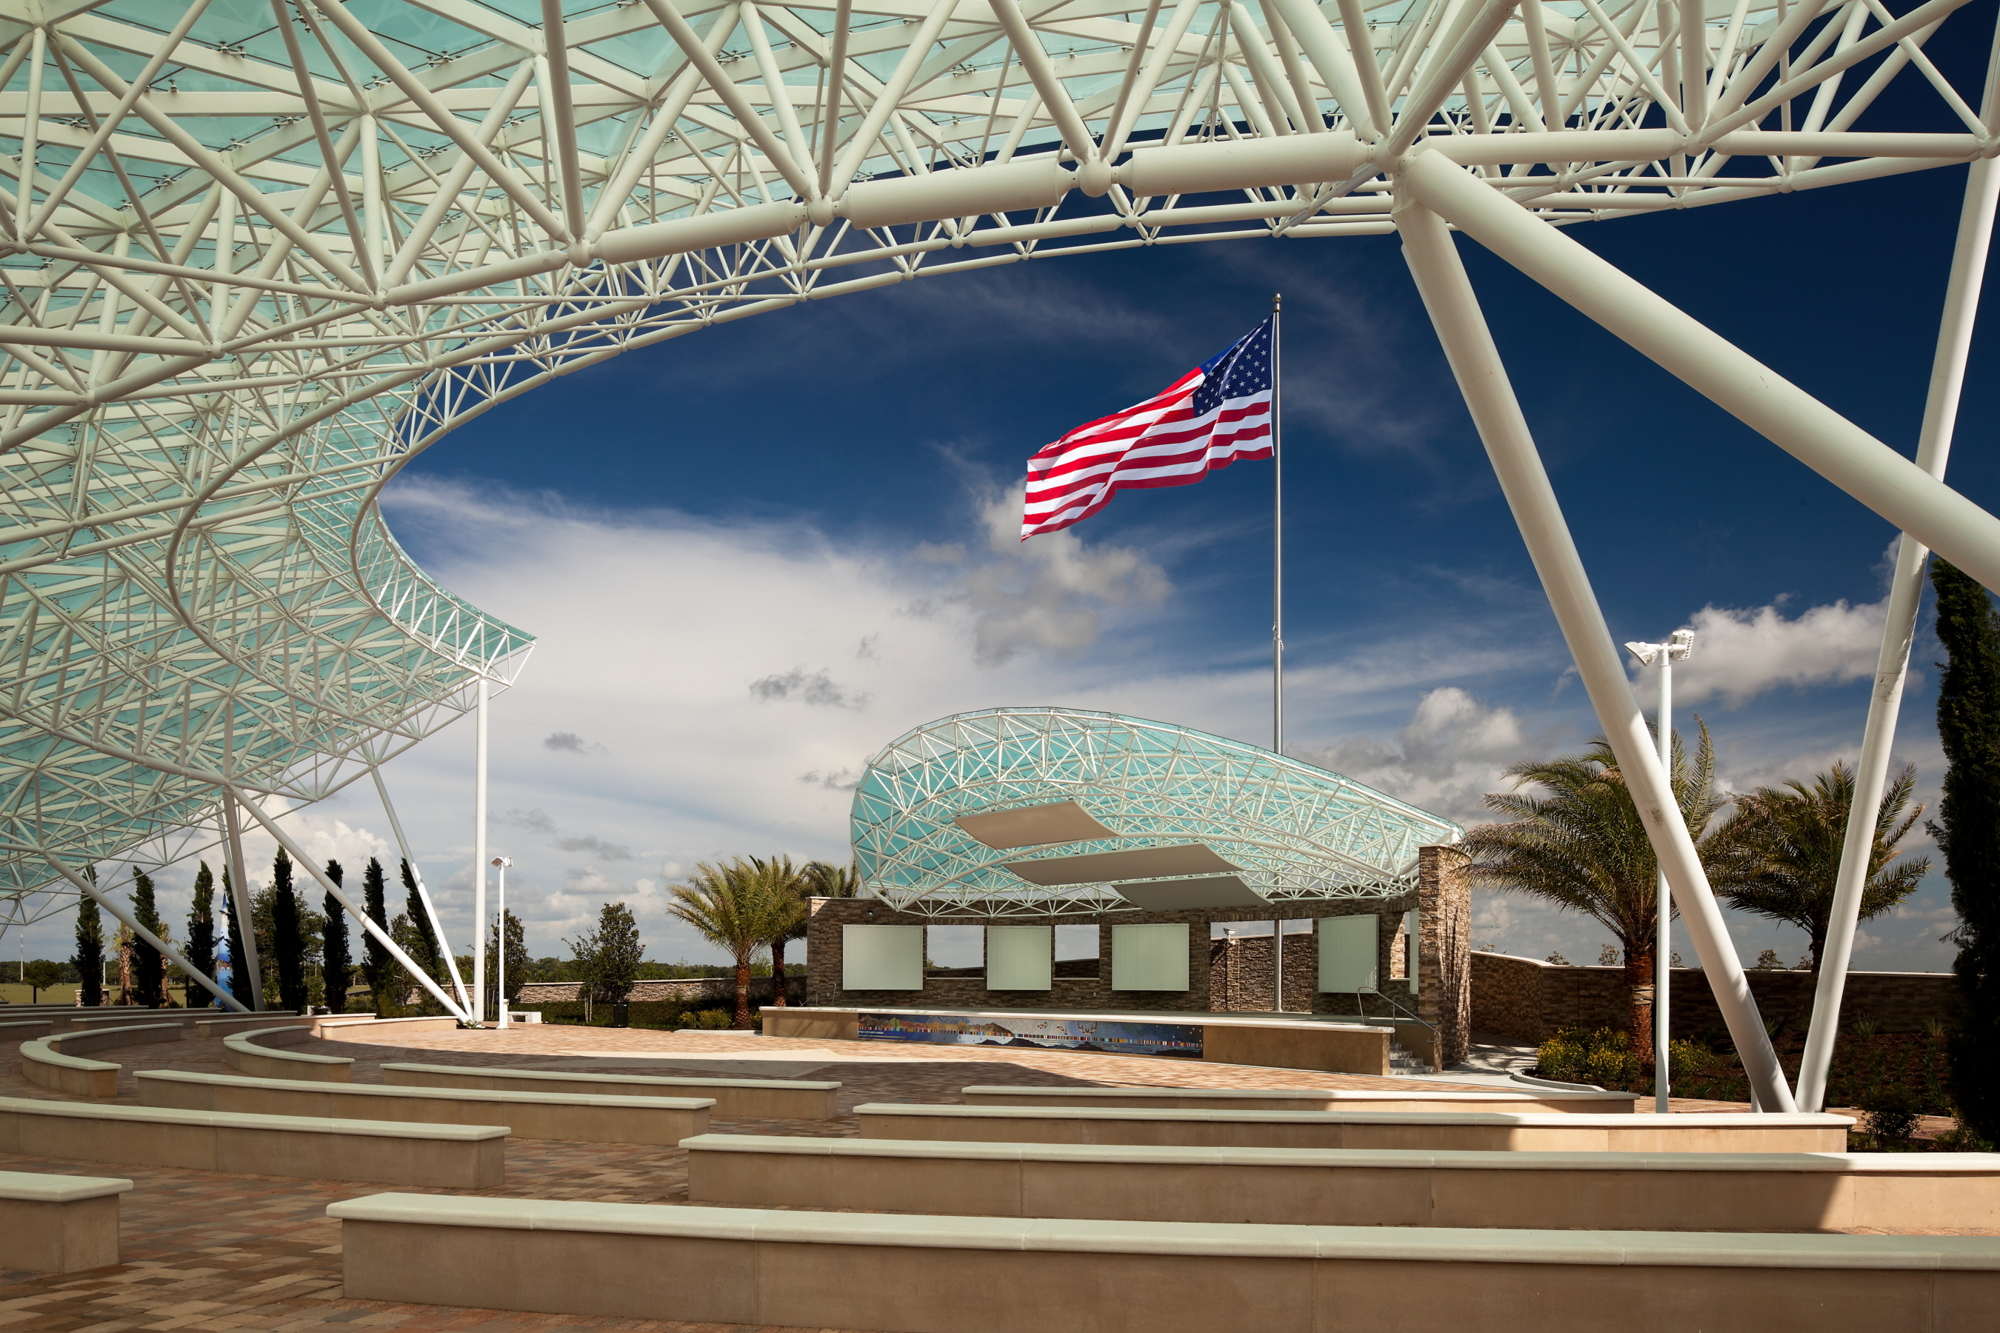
<point>1277,545</point>
<point>1277,624</point>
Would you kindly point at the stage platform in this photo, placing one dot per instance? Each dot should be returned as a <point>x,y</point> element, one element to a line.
<point>1278,1041</point>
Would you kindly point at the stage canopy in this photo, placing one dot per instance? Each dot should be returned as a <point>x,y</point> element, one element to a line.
<point>1040,811</point>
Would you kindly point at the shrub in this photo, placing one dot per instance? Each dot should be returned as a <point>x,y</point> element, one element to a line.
<point>1960,1139</point>
<point>1601,1056</point>
<point>1892,1115</point>
<point>715,1018</point>
<point>1689,1059</point>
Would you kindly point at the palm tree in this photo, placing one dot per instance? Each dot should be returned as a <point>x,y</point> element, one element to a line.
<point>819,879</point>
<point>792,923</point>
<point>737,907</point>
<point>1780,851</point>
<point>1583,848</point>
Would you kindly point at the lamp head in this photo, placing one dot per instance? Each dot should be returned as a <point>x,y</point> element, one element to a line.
<point>1681,644</point>
<point>503,861</point>
<point>1647,653</point>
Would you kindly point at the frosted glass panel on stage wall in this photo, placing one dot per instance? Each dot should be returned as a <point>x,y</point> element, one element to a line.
<point>1347,953</point>
<point>1020,957</point>
<point>882,957</point>
<point>1150,957</point>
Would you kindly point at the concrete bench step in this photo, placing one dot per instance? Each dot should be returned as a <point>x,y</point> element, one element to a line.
<point>57,1060</point>
<point>1301,1099</point>
<point>439,1156</point>
<point>754,1098</point>
<point>986,1275</point>
<point>571,1117</point>
<point>1428,1131</point>
<point>58,1224</point>
<point>1611,1191</point>
<point>253,1053</point>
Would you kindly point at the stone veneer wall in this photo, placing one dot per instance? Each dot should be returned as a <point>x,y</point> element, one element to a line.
<point>1445,983</point>
<point>1527,1001</point>
<point>1215,984</point>
<point>1239,974</point>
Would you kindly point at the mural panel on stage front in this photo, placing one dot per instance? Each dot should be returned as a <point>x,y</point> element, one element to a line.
<point>1076,1034</point>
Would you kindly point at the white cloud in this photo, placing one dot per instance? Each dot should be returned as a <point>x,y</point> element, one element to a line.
<point>743,675</point>
<point>1047,593</point>
<point>1740,653</point>
<point>1453,751</point>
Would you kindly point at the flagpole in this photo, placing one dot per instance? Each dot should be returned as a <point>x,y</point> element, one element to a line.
<point>1277,547</point>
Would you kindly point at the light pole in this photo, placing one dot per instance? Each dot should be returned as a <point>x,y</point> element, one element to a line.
<point>1663,655</point>
<point>501,863</point>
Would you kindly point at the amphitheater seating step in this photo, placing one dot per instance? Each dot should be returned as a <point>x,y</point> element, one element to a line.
<point>754,1098</point>
<point>438,1156</point>
<point>1426,1131</point>
<point>1302,1099</point>
<point>1611,1191</point>
<point>1013,1275</point>
<point>572,1117</point>
<point>58,1224</point>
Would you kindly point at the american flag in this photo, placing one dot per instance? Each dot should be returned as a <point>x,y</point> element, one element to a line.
<point>1208,418</point>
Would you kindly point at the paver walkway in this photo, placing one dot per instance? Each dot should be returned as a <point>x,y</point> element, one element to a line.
<point>209,1251</point>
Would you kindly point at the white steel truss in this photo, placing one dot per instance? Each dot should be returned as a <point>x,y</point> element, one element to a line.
<point>1292,830</point>
<point>256,255</point>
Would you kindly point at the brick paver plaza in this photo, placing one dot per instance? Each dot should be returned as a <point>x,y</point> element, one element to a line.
<point>205,1250</point>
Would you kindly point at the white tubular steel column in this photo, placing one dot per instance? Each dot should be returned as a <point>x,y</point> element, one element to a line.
<point>423,894</point>
<point>127,920</point>
<point>239,902</point>
<point>1906,591</point>
<point>478,1006</point>
<point>1482,379</point>
<point>1748,390</point>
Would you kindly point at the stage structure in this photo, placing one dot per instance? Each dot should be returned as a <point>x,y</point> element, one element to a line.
<point>254,258</point>
<point>1053,811</point>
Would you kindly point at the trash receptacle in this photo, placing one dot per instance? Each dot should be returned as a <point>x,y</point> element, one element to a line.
<point>620,1012</point>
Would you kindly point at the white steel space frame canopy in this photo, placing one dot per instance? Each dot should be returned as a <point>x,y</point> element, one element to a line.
<point>256,255</point>
<point>1285,829</point>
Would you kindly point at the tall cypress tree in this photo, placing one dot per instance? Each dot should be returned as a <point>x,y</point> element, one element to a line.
<point>240,984</point>
<point>378,967</point>
<point>201,934</point>
<point>430,954</point>
<point>288,945</point>
<point>1967,830</point>
<point>149,966</point>
<point>89,948</point>
<point>334,959</point>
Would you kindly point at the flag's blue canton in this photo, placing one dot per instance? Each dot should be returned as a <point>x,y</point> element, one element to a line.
<point>1239,372</point>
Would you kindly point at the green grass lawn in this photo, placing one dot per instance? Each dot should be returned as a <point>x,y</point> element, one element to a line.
<point>15,993</point>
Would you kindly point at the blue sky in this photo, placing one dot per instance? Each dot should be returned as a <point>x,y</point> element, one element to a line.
<point>756,554</point>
